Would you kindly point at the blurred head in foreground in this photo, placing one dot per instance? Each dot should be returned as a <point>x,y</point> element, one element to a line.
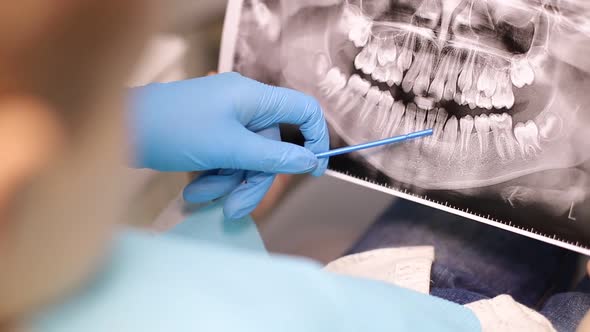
<point>63,65</point>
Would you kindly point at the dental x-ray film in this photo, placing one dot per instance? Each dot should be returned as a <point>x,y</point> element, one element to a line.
<point>505,85</point>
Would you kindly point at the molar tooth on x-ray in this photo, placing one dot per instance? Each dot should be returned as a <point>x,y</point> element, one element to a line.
<point>483,101</point>
<point>482,127</point>
<point>503,96</point>
<point>502,83</point>
<point>550,126</point>
<point>332,83</point>
<point>502,132</point>
<point>527,136</point>
<point>486,83</point>
<point>521,72</point>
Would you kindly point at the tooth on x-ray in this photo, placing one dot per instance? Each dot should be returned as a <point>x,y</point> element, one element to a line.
<point>268,21</point>
<point>527,136</point>
<point>504,102</point>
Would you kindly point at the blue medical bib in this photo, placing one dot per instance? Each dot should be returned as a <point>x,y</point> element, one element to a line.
<point>211,274</point>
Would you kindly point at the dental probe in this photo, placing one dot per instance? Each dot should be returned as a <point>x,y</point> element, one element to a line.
<point>392,140</point>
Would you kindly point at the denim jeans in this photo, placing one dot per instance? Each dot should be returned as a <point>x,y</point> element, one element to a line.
<point>475,261</point>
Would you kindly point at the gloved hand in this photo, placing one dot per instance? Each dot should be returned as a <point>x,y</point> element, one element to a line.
<point>226,124</point>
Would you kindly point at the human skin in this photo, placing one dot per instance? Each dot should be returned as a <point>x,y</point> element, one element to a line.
<point>64,71</point>
<point>63,65</point>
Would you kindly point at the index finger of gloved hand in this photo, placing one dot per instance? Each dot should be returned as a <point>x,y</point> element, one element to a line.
<point>212,185</point>
<point>248,195</point>
<point>280,105</point>
<point>253,152</point>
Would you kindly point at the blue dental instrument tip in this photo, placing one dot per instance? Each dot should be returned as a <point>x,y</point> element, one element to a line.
<point>387,141</point>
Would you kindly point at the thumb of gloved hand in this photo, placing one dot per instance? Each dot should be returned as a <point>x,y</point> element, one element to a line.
<point>226,123</point>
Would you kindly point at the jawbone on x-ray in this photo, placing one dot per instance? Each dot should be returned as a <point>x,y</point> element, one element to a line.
<point>504,83</point>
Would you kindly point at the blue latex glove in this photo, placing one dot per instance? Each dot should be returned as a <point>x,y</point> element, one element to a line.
<point>174,284</point>
<point>226,124</point>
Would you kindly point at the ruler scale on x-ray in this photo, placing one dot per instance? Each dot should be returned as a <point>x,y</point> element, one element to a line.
<point>509,149</point>
<point>445,206</point>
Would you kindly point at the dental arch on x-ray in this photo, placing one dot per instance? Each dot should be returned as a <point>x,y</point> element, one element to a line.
<point>488,87</point>
<point>504,83</point>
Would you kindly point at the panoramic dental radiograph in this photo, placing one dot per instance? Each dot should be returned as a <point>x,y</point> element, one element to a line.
<point>505,84</point>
